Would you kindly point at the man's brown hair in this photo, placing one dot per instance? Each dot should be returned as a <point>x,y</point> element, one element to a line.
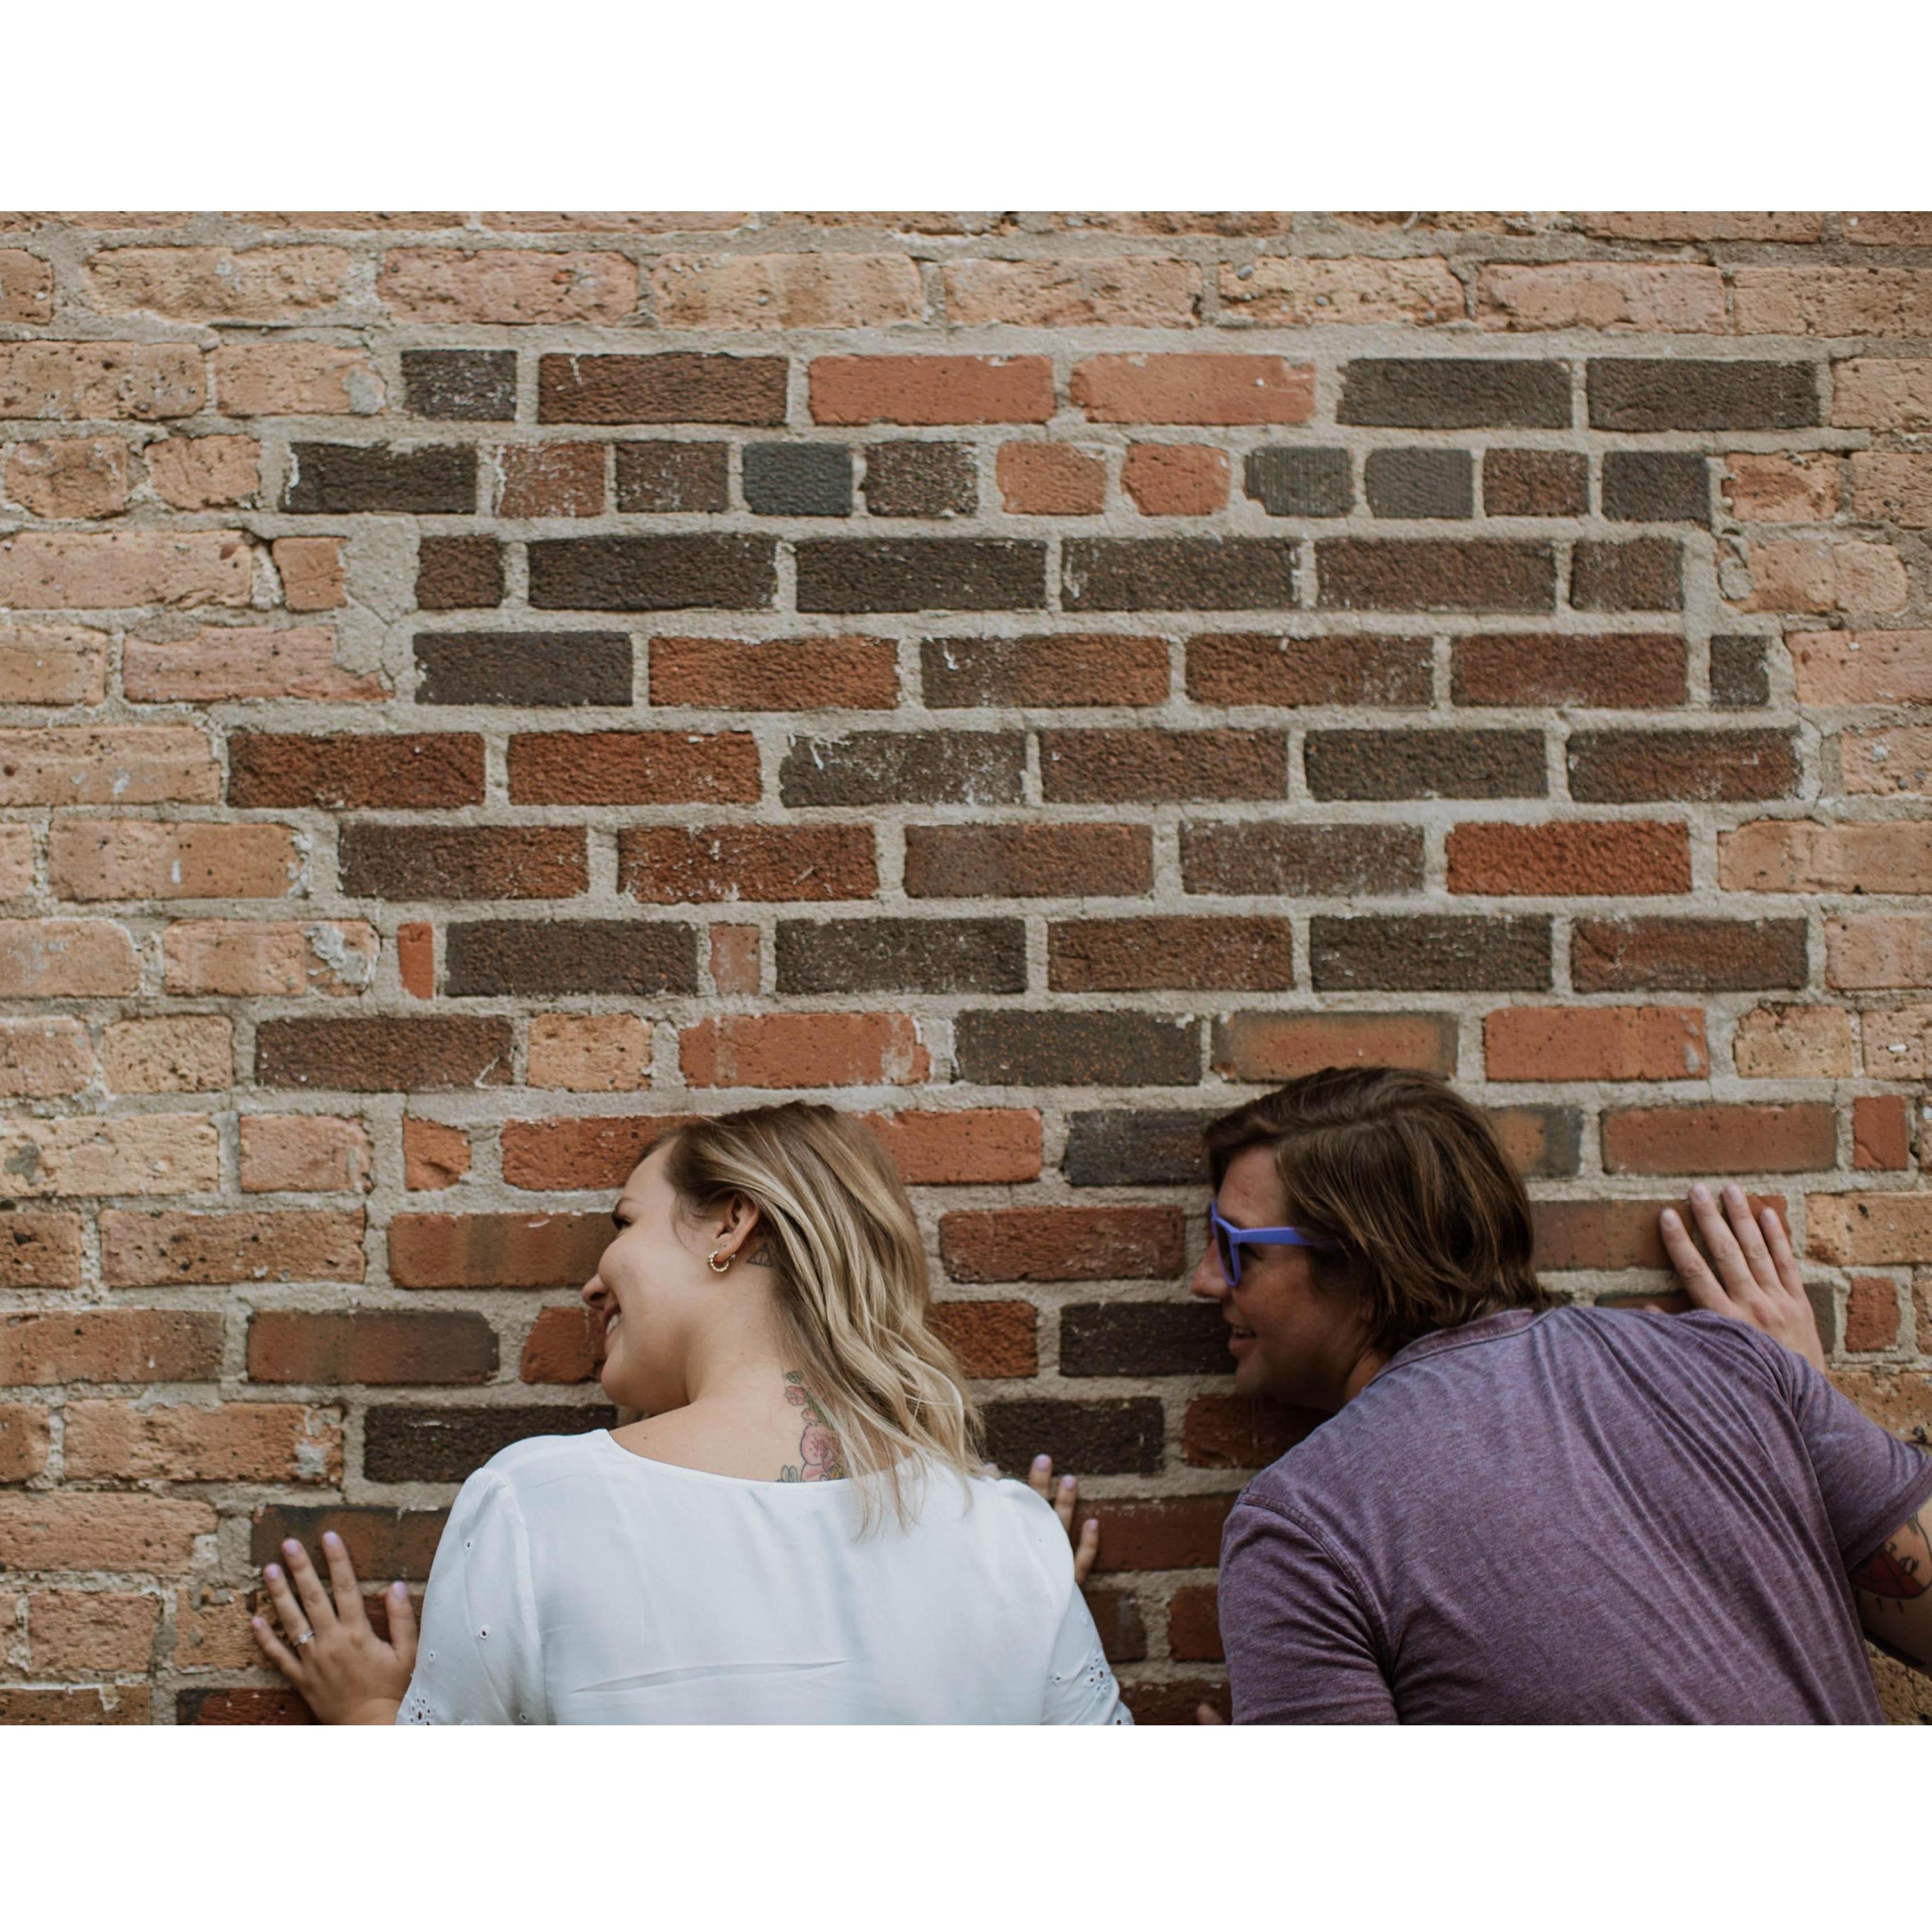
<point>1432,1227</point>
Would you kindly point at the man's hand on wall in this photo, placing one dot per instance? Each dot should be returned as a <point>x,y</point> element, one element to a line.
<point>1752,1275</point>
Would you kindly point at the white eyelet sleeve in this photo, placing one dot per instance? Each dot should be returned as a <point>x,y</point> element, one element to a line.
<point>480,1658</point>
<point>1080,1687</point>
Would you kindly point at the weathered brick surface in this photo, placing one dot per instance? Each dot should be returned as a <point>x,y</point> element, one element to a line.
<point>1544,708</point>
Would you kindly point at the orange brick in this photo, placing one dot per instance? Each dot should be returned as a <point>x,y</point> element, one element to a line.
<point>139,859</point>
<point>212,1630</point>
<point>39,1059</point>
<point>225,666</point>
<point>1062,1244</point>
<point>1898,1042</point>
<point>233,1442</point>
<point>274,1245</point>
<point>1874,1230</point>
<point>592,1150</point>
<point>1878,951</point>
<point>496,1250</point>
<point>202,472</point>
<point>115,382</point>
<point>983,1145</point>
<point>1831,301</point>
<point>1300,291</point>
<point>590,1053</point>
<point>1195,389</point>
<point>78,1530</point>
<point>804,1050</point>
<point>1720,1139</point>
<point>1595,1043</point>
<point>1786,489</point>
<point>825,290</point>
<point>507,285</point>
<point>1888,763</point>
<point>1283,1046</point>
<point>1881,1132</point>
<point>800,674</point>
<point>62,477</point>
<point>1800,574</point>
<point>1175,479</point>
<point>295,379</point>
<point>415,958</point>
<point>71,1633</point>
<point>49,570</point>
<point>434,1154</point>
<point>181,1053</point>
<point>930,389</point>
<point>1900,1400</point>
<point>990,1339</point>
<point>98,1345</point>
<point>49,664</point>
<point>1091,292</point>
<point>564,1346</point>
<point>1050,479</point>
<point>83,764</point>
<point>311,570</point>
<point>25,1435</point>
<point>1613,1234</point>
<point>305,1153</point>
<point>269,284</point>
<point>1625,857</point>
<point>1784,1042</point>
<point>1882,393</point>
<point>1676,298</point>
<point>242,957</point>
<point>65,958</point>
<point>1783,855</point>
<point>143,1153</point>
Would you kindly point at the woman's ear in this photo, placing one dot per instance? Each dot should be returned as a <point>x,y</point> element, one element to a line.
<point>734,1231</point>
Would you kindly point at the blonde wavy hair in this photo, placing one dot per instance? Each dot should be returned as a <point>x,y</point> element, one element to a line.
<point>854,1291</point>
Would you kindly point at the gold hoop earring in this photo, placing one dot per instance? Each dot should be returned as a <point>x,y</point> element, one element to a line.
<point>716,1267</point>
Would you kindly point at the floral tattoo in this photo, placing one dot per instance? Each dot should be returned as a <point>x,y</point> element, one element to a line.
<point>821,1459</point>
<point>1900,1569</point>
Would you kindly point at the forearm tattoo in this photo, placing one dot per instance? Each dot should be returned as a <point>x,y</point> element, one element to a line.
<point>821,1459</point>
<point>1900,1569</point>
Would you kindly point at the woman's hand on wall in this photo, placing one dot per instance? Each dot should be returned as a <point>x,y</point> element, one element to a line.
<point>345,1673</point>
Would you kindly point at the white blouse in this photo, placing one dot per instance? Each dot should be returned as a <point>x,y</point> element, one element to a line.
<point>577,1583</point>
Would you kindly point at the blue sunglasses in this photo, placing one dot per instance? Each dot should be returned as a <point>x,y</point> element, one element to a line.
<point>1229,1241</point>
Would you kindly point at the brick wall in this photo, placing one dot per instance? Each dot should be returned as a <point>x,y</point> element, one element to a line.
<point>479,687</point>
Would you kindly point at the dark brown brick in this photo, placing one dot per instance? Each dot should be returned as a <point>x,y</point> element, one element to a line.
<point>1242,668</point>
<point>921,479</point>
<point>496,1250</point>
<point>407,772</point>
<point>344,478</point>
<point>448,1445</point>
<point>537,956</point>
<point>1623,671</point>
<point>1178,574</point>
<point>1628,393</point>
<point>850,574</point>
<point>633,768</point>
<point>1644,574</point>
<point>370,1347</point>
<point>459,573</point>
<point>1443,394</point>
<point>1027,861</point>
<point>460,384</point>
<point>796,479</point>
<point>1430,953</point>
<point>536,669</point>
<point>905,768</point>
<point>1176,1700</point>
<point>901,955</point>
<point>1062,1244</point>
<point>1143,1338</point>
<point>383,1056</point>
<point>958,672</point>
<point>658,477</point>
<point>682,573</point>
<point>670,389</point>
<point>1102,1438</point>
<point>1657,486</point>
<point>1535,483</point>
<point>1118,1625</point>
<point>1228,1431</point>
<point>1147,953</point>
<point>1193,1625</point>
<point>1625,767</point>
<point>1421,483</point>
<point>463,862</point>
<point>1483,574</point>
<point>1699,956</point>
<point>1301,861</point>
<point>1740,675</point>
<point>1297,482</point>
<point>1541,1142</point>
<point>1115,767</point>
<point>219,1706</point>
<point>1425,764</point>
<point>675,865</point>
<point>1137,1147</point>
<point>391,1543</point>
<point>1033,1049</point>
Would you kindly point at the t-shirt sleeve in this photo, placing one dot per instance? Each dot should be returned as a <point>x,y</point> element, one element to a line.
<point>1080,1687</point>
<point>478,1659</point>
<point>1300,1647</point>
<point>1871,1481</point>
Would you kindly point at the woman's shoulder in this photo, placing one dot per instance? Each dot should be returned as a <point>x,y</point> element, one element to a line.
<point>543,1458</point>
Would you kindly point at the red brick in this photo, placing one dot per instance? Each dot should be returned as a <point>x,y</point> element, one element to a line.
<point>1244,667</point>
<point>1794,488</point>
<point>242,957</point>
<point>798,674</point>
<point>1877,1230</point>
<point>1881,1132</point>
<point>121,1704</point>
<point>666,865</point>
<point>549,479</point>
<point>1784,855</point>
<point>1871,1315</point>
<point>990,1339</point>
<point>78,1530</point>
<point>73,1632</point>
<point>804,1050</point>
<point>25,1435</point>
<point>1115,955</point>
<point>1157,767</point>
<point>1179,1533</point>
<point>1613,1234</point>
<point>589,1150</point>
<point>1570,859</point>
<point>1089,291</point>
<point>1175,479</point>
<point>1027,861</point>
<point>633,768</point>
<point>1228,1431</point>
<point>445,1054</point>
<point>507,285</point>
<point>415,958</point>
<point>1062,1244</point>
<point>108,1346</point>
<point>564,1345</point>
<point>960,1147</point>
<point>376,1349</point>
<point>407,772</point>
<point>138,859</point>
<point>496,1250</point>
<point>304,1153</point>
<point>958,672</point>
<point>1050,479</point>
<point>932,389</point>
<point>1720,1139</point>
<point>1195,389</point>
<point>1194,1623</point>
<point>1596,1043</point>
<point>1621,672</point>
<point>1284,1046</point>
<point>734,959</point>
<point>138,1250</point>
<point>242,1707</point>
<point>435,1155</point>
<point>233,1442</point>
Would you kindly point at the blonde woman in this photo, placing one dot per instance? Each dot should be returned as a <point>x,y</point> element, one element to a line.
<point>799,1530</point>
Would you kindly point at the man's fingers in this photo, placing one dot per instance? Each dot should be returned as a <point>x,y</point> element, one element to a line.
<point>1699,1283</point>
<point>403,1626</point>
<point>1779,1244</point>
<point>279,1654</point>
<point>1750,1239</point>
<point>308,1586</point>
<point>342,1576</point>
<point>1039,1476</point>
<point>1725,1255</point>
<point>1087,1550</point>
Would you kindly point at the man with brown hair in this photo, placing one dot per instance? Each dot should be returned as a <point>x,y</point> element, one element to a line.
<point>1518,1511</point>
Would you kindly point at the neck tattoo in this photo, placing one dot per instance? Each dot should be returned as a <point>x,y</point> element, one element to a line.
<point>821,1459</point>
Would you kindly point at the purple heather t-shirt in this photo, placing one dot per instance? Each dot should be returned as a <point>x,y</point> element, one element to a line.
<point>1582,1516</point>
